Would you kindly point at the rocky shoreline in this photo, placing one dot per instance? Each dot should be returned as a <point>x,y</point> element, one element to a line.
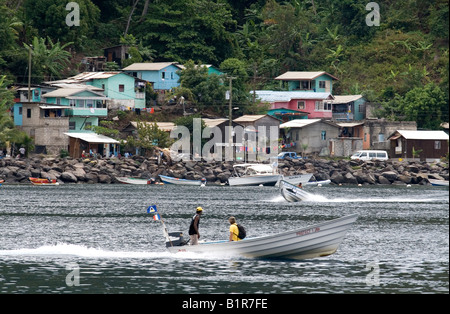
<point>105,171</point>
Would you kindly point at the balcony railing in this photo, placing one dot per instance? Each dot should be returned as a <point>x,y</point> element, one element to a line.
<point>97,112</point>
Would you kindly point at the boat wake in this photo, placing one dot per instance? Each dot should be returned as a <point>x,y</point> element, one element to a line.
<point>72,250</point>
<point>322,199</point>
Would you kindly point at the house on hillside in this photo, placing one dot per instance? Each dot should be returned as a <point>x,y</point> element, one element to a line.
<point>314,104</point>
<point>92,144</point>
<point>116,53</point>
<point>162,75</point>
<point>84,106</point>
<point>317,82</point>
<point>45,123</point>
<point>426,145</point>
<point>308,135</point>
<point>348,108</point>
<point>123,91</point>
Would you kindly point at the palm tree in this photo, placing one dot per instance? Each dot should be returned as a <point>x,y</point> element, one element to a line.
<point>49,60</point>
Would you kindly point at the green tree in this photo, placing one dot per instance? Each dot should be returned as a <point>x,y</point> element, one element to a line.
<point>148,137</point>
<point>48,60</point>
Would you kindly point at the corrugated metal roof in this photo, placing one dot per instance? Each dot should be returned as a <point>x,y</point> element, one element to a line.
<point>249,118</point>
<point>423,135</point>
<point>302,75</point>
<point>153,66</point>
<point>275,96</point>
<point>92,138</point>
<point>300,123</point>
<point>343,99</point>
<point>86,76</point>
<point>66,92</point>
<point>163,126</point>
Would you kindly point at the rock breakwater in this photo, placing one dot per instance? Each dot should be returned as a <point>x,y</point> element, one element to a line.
<point>68,170</point>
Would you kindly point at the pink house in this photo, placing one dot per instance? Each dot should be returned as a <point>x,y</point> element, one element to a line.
<point>317,105</point>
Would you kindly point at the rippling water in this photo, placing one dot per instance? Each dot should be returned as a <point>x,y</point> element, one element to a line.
<point>99,239</point>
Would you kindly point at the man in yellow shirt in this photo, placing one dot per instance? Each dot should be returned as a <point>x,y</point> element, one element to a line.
<point>234,230</point>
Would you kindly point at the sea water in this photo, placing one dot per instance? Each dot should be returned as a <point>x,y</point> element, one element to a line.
<point>100,239</point>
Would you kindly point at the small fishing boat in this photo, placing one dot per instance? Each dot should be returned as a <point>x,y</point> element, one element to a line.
<point>317,183</point>
<point>254,175</point>
<point>436,182</point>
<point>172,180</point>
<point>1,181</point>
<point>317,240</point>
<point>128,180</point>
<point>292,193</point>
<point>41,181</point>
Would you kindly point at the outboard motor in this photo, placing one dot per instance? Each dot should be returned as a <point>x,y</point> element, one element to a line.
<point>176,239</point>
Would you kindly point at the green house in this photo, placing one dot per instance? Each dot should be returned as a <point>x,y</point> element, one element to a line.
<point>320,82</point>
<point>83,105</point>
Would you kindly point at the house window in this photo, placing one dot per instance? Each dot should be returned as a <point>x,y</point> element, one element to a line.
<point>321,84</point>
<point>121,88</point>
<point>72,102</point>
<point>20,111</point>
<point>163,75</point>
<point>304,85</point>
<point>437,144</point>
<point>319,105</point>
<point>323,135</point>
<point>171,75</point>
<point>300,105</point>
<point>58,101</point>
<point>380,137</point>
<point>28,113</point>
<point>88,125</point>
<point>71,125</point>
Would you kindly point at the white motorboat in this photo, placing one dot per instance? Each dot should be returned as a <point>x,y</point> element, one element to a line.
<point>436,182</point>
<point>317,183</point>
<point>128,180</point>
<point>173,180</point>
<point>317,240</point>
<point>292,193</point>
<point>296,179</point>
<point>254,174</point>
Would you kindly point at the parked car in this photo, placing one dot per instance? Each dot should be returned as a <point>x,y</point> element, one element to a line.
<point>292,155</point>
<point>370,155</point>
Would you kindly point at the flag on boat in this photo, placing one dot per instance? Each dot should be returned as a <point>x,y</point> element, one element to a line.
<point>151,209</point>
<point>156,217</point>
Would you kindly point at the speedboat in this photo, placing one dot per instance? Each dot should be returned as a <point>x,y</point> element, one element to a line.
<point>317,240</point>
<point>41,181</point>
<point>292,193</point>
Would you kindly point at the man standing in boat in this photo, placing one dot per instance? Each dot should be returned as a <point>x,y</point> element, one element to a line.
<point>193,228</point>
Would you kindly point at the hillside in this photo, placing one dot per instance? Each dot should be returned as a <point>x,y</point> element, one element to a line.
<point>402,63</point>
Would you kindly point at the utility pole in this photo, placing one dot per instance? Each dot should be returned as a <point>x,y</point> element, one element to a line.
<point>29,74</point>
<point>230,116</point>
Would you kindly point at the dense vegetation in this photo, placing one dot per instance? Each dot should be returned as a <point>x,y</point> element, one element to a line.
<point>401,64</point>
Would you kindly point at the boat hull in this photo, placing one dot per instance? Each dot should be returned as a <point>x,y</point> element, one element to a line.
<point>435,182</point>
<point>126,180</point>
<point>303,243</point>
<point>41,181</point>
<point>292,193</point>
<point>296,179</point>
<point>172,180</point>
<point>266,180</point>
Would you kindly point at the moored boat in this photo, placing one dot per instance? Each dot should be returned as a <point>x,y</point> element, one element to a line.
<point>172,180</point>
<point>129,180</point>
<point>317,240</point>
<point>436,182</point>
<point>42,181</point>
<point>254,174</point>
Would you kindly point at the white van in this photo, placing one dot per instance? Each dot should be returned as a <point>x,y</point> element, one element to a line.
<point>370,155</point>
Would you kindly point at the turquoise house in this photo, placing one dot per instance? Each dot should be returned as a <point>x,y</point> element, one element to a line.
<point>22,97</point>
<point>84,106</point>
<point>163,75</point>
<point>319,82</point>
<point>122,89</point>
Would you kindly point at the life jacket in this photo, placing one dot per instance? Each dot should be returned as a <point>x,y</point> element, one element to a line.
<point>191,227</point>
